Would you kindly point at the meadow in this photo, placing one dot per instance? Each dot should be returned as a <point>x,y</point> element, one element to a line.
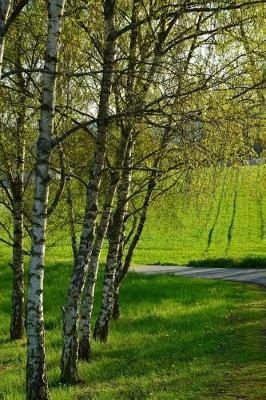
<point>222,215</point>
<point>177,339</point>
<point>218,214</point>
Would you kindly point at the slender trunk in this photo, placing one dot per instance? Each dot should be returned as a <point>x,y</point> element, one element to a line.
<point>107,307</point>
<point>89,287</point>
<point>69,370</point>
<point>116,307</point>
<point>36,378</point>
<point>71,216</point>
<point>102,324</point>
<point>123,268</point>
<point>116,312</point>
<point>5,6</point>
<point>17,317</point>
<point>17,188</point>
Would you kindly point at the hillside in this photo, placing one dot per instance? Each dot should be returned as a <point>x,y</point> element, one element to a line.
<point>223,215</point>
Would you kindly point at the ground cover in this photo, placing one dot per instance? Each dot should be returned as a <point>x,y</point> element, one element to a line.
<point>178,338</point>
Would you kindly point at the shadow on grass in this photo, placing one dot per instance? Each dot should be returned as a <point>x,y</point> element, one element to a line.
<point>175,335</point>
<point>168,324</point>
<point>248,262</point>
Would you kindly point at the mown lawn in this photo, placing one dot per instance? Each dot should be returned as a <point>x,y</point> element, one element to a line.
<point>178,339</point>
<point>220,215</point>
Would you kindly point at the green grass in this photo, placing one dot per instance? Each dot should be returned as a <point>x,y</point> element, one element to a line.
<point>222,216</point>
<point>248,262</point>
<point>178,339</point>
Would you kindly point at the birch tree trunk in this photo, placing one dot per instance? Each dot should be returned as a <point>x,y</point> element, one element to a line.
<point>71,215</point>
<point>123,268</point>
<point>17,317</point>
<point>89,287</point>
<point>88,292</point>
<point>5,6</point>
<point>36,378</point>
<point>102,324</point>
<point>69,370</point>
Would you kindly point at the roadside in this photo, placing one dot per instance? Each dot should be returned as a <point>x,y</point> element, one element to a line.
<point>248,275</point>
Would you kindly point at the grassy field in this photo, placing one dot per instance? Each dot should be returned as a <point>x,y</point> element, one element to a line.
<point>178,339</point>
<point>222,216</point>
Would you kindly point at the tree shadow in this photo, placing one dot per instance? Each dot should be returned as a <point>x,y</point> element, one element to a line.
<point>247,262</point>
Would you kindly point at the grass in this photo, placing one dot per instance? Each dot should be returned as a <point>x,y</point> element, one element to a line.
<point>248,262</point>
<point>178,339</point>
<point>222,217</point>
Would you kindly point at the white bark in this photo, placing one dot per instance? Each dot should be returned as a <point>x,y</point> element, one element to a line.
<point>5,6</point>
<point>102,323</point>
<point>69,371</point>
<point>89,286</point>
<point>71,216</point>
<point>37,387</point>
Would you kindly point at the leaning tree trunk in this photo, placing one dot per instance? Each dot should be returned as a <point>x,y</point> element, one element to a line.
<point>123,268</point>
<point>89,286</point>
<point>69,360</point>
<point>71,216</point>
<point>36,378</point>
<point>119,267</point>
<point>102,324</point>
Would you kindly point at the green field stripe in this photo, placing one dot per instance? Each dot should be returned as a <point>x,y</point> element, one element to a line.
<point>234,208</point>
<point>260,204</point>
<point>221,197</point>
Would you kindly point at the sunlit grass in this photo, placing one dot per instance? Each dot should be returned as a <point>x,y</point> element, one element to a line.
<point>177,339</point>
<point>178,227</point>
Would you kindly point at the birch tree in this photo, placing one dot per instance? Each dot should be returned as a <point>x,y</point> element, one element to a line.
<point>102,323</point>
<point>69,371</point>
<point>12,184</point>
<point>36,378</point>
<point>9,11</point>
<point>16,135</point>
<point>115,174</point>
<point>201,27</point>
<point>5,6</point>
